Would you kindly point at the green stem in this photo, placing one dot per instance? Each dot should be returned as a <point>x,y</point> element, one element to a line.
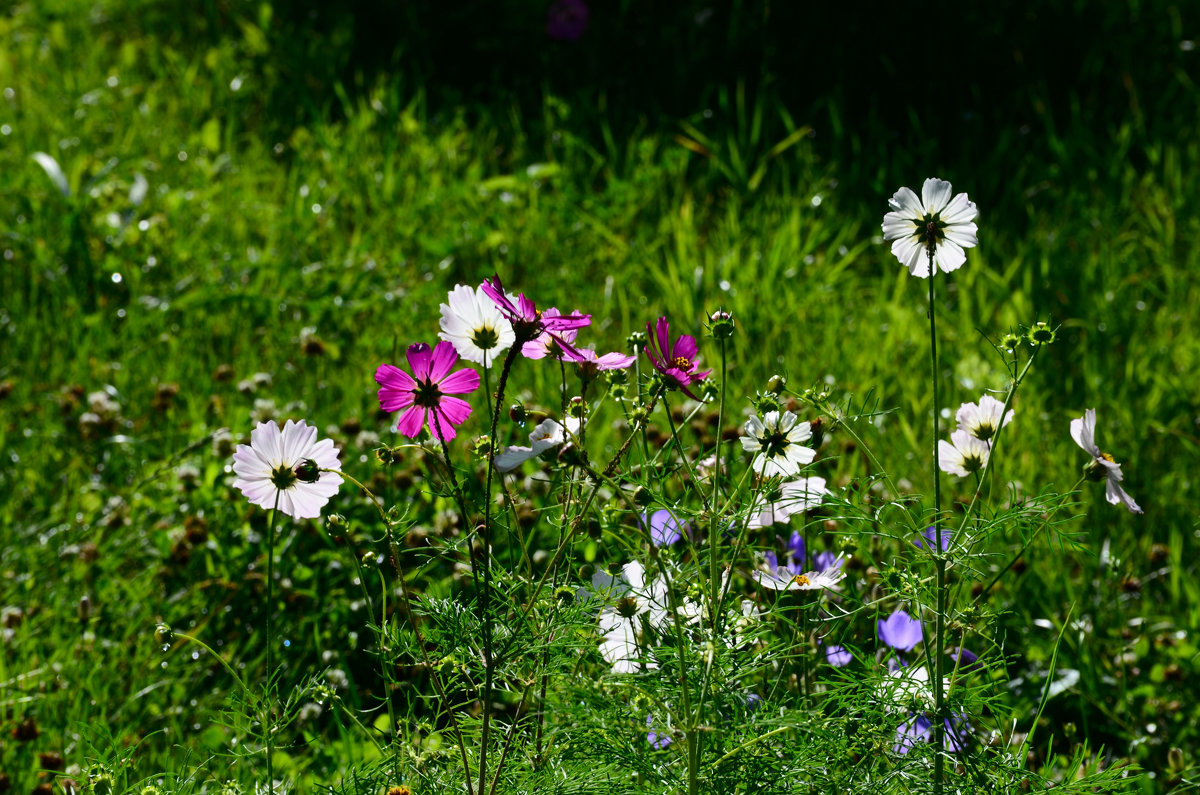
<point>268,701</point>
<point>939,723</point>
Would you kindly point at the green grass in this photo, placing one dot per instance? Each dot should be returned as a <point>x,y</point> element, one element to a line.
<point>355,220</point>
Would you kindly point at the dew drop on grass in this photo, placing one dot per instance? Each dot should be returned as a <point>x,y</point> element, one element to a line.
<point>287,644</point>
<point>195,655</point>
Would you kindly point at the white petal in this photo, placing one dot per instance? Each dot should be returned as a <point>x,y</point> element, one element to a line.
<point>959,211</point>
<point>1083,431</point>
<point>935,195</point>
<point>906,202</point>
<point>896,225</point>
<point>962,234</point>
<point>949,256</point>
<point>1115,494</point>
<point>513,457</point>
<point>911,254</point>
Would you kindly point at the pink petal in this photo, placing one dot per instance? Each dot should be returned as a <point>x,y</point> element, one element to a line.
<point>444,357</point>
<point>410,423</point>
<point>440,425</point>
<point>419,359</point>
<point>662,333</point>
<point>465,380</point>
<point>396,388</point>
<point>455,410</point>
<point>686,347</point>
<point>528,309</point>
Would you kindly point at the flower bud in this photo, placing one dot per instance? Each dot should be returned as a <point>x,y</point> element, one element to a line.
<point>164,635</point>
<point>517,413</point>
<point>577,408</point>
<point>482,447</point>
<point>765,402</point>
<point>336,526</point>
<point>387,455</point>
<point>308,471</point>
<point>776,384</point>
<point>721,325</point>
<point>642,497</point>
<point>709,391</point>
<point>1010,342</point>
<point>1040,334</point>
<point>636,341</point>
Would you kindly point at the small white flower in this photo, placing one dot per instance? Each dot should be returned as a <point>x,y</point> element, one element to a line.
<point>779,441</point>
<point>1103,467</point>
<point>782,579</point>
<point>908,225</point>
<point>798,496</point>
<point>266,469</point>
<point>634,606</point>
<point>547,434</point>
<point>963,454</point>
<point>905,687</point>
<point>983,420</point>
<point>475,326</point>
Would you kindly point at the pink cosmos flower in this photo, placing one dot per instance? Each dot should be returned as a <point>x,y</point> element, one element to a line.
<point>426,393</point>
<point>590,363</point>
<point>675,361</point>
<point>528,323</point>
<point>546,344</point>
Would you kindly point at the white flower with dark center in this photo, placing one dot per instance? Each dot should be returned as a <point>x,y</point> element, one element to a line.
<point>475,326</point>
<point>1102,466</point>
<point>634,607</point>
<point>797,496</point>
<point>782,579</point>
<point>963,454</point>
<point>284,468</point>
<point>983,420</point>
<point>938,220</point>
<point>778,441</point>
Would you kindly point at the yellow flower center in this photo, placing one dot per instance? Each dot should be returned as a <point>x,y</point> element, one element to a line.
<point>801,579</point>
<point>682,362</point>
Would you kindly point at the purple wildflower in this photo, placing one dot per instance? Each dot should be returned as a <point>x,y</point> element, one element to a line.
<point>664,529</point>
<point>837,656</point>
<point>920,729</point>
<point>657,741</point>
<point>567,20</point>
<point>900,631</point>
<point>675,361</point>
<point>930,541</point>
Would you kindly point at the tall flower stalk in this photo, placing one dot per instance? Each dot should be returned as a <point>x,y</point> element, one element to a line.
<point>935,227</point>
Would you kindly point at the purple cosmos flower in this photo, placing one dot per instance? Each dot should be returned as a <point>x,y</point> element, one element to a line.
<point>567,19</point>
<point>899,631</point>
<point>657,741</point>
<point>964,658</point>
<point>546,345</point>
<point>675,361</point>
<point>664,530</point>
<point>920,729</point>
<point>930,541</point>
<point>426,393</point>
<point>824,561</point>
<point>837,656</point>
<point>528,323</point>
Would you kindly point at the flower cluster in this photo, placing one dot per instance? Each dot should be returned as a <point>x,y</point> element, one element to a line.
<point>970,444</point>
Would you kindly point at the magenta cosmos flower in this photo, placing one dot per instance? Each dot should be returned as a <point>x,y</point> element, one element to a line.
<point>675,361</point>
<point>426,393</point>
<point>527,322</point>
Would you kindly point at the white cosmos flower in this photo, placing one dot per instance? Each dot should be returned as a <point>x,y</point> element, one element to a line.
<point>475,326</point>
<point>983,420</point>
<point>633,606</point>
<point>953,219</point>
<point>1103,467</point>
<point>798,496</point>
<point>963,454</point>
<point>266,469</point>
<point>547,434</point>
<point>782,579</point>
<point>904,687</point>
<point>779,441</point>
